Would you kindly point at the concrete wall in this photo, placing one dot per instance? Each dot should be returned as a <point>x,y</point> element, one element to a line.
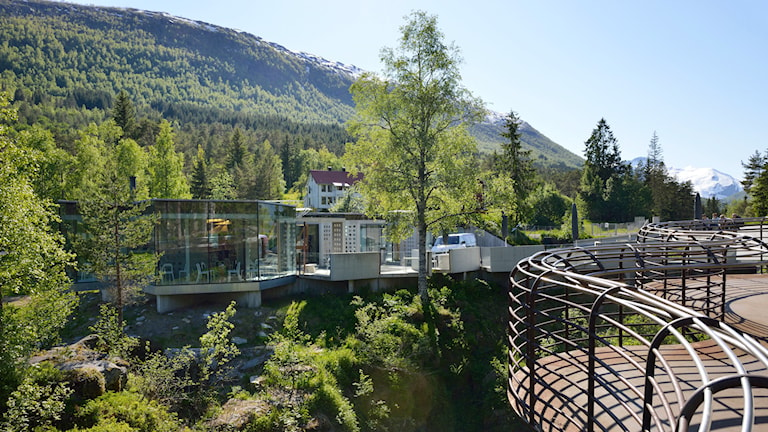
<point>355,266</point>
<point>504,259</point>
<point>464,260</point>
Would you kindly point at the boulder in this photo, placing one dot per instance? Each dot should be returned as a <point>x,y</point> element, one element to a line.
<point>89,371</point>
<point>236,414</point>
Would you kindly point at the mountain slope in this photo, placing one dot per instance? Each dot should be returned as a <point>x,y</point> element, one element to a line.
<point>58,48</point>
<point>708,182</point>
<point>78,57</point>
<point>544,151</point>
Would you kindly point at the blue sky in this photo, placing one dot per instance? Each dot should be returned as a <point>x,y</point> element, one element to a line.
<point>695,72</point>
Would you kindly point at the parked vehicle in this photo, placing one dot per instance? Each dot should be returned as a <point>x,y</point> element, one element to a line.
<point>455,241</point>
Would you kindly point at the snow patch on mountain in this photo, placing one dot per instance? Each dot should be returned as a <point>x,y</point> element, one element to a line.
<point>708,182</point>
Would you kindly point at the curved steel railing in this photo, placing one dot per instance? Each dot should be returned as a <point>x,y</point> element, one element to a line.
<point>630,337</point>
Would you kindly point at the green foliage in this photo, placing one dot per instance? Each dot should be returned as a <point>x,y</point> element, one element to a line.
<point>268,182</point>
<point>127,408</point>
<point>216,347</point>
<point>32,262</point>
<point>164,378</point>
<point>166,167</point>
<point>117,231</point>
<point>514,166</point>
<point>609,192</point>
<point>388,336</point>
<point>110,330</point>
<point>548,206</point>
<point>38,401</point>
<point>124,114</point>
<point>200,186</point>
<point>291,329</point>
<point>412,143</point>
<point>669,200</point>
<point>223,187</point>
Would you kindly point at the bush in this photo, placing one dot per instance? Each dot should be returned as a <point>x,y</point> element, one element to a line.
<point>38,401</point>
<point>130,408</point>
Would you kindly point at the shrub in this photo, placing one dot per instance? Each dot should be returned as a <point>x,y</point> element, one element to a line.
<point>38,401</point>
<point>133,409</point>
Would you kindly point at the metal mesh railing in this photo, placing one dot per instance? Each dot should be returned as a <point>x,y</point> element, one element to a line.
<point>631,337</point>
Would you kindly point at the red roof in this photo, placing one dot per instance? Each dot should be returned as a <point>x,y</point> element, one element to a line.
<point>330,177</point>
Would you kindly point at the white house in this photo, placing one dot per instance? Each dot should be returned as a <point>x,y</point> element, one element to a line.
<point>324,188</point>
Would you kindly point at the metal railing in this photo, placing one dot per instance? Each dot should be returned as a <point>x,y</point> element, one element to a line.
<point>630,337</point>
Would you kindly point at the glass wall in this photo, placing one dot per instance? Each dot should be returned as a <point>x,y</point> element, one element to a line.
<point>201,241</point>
<point>224,241</point>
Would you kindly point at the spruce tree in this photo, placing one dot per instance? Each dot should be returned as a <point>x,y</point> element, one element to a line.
<point>752,169</point>
<point>200,187</point>
<point>513,164</point>
<point>268,182</point>
<point>609,192</point>
<point>124,114</point>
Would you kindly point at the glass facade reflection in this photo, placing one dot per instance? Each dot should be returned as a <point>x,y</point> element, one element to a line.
<point>202,241</point>
<point>224,241</point>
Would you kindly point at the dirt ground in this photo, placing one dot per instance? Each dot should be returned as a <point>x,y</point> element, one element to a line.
<point>178,328</point>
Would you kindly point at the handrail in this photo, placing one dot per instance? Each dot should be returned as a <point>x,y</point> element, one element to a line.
<point>631,337</point>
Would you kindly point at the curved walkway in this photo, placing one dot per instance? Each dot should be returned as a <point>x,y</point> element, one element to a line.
<point>654,336</point>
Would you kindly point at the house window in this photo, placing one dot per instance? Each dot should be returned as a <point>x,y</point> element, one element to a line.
<point>325,188</point>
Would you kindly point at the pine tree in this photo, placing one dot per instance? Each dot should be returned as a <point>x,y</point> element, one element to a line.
<point>609,192</point>
<point>124,114</point>
<point>268,183</point>
<point>237,150</point>
<point>753,169</point>
<point>200,186</point>
<point>513,164</point>
<point>117,229</point>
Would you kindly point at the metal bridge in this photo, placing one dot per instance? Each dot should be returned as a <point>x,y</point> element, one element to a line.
<point>666,334</point>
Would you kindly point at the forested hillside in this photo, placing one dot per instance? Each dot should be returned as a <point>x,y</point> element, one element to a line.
<point>64,64</point>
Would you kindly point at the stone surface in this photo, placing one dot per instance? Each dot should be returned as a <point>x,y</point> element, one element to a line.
<point>91,372</point>
<point>237,413</point>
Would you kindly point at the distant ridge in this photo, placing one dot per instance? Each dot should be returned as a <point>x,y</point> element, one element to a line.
<point>84,55</point>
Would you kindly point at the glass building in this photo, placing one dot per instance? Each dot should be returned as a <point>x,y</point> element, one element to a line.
<point>204,242</point>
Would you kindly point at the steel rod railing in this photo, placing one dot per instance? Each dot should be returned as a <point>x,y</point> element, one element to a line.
<point>631,337</point>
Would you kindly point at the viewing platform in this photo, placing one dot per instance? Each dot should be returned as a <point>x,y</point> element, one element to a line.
<point>666,334</point>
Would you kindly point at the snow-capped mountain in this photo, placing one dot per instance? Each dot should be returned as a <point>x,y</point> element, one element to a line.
<point>708,182</point>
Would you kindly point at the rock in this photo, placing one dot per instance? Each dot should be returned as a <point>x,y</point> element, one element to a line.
<point>239,341</point>
<point>320,423</point>
<point>141,318</point>
<point>114,376</point>
<point>236,414</point>
<point>266,326</point>
<point>257,380</point>
<point>90,372</point>
<point>91,342</point>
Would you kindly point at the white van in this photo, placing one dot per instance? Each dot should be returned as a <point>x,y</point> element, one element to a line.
<point>455,241</point>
